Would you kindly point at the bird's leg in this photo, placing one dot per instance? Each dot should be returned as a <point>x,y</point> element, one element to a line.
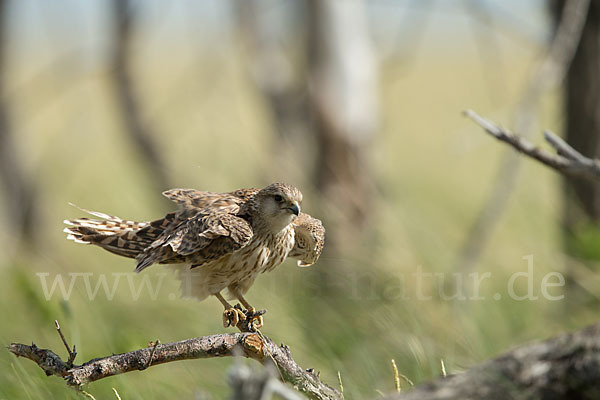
<point>255,319</point>
<point>232,315</point>
<point>244,301</point>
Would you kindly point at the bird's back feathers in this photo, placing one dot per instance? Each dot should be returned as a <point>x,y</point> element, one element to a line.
<point>198,240</point>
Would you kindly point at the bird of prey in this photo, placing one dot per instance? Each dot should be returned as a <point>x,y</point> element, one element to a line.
<point>217,241</point>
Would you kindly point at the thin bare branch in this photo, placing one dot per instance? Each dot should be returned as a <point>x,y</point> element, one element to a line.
<point>568,161</point>
<point>72,353</point>
<point>563,148</point>
<point>249,345</point>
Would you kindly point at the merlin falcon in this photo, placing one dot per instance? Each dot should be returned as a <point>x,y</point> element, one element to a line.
<point>216,241</point>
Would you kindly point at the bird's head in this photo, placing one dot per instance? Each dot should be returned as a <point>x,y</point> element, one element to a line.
<point>278,205</point>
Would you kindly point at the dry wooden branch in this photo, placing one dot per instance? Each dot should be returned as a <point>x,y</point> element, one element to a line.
<point>565,367</point>
<point>567,161</point>
<point>249,345</point>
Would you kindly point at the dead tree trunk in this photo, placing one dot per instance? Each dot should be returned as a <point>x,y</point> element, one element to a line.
<point>582,110</point>
<point>343,92</point>
<point>581,105</point>
<point>18,187</point>
<point>272,70</point>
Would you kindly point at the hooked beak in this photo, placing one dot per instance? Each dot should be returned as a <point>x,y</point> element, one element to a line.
<point>295,209</point>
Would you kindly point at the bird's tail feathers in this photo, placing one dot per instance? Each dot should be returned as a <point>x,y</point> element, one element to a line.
<point>112,233</point>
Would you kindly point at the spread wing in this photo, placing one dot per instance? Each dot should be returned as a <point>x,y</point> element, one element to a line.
<point>210,201</point>
<point>309,240</point>
<point>198,239</point>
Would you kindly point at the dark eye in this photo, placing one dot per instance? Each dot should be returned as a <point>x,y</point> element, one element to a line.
<point>278,198</point>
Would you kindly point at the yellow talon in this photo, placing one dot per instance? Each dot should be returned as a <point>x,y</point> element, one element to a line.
<point>232,316</point>
<point>256,321</point>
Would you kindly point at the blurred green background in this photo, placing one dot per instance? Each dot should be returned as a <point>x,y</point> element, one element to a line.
<point>356,309</point>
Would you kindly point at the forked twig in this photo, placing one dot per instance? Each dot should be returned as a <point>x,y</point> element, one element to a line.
<point>567,161</point>
<point>72,353</point>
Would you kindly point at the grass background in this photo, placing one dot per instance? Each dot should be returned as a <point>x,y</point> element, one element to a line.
<point>434,169</point>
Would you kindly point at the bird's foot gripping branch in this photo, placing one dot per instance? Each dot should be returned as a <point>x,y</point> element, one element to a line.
<point>246,320</point>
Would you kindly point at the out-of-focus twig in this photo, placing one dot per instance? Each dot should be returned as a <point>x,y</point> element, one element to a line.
<point>509,22</point>
<point>549,74</point>
<point>412,27</point>
<point>567,161</point>
<point>485,35</point>
<point>272,70</point>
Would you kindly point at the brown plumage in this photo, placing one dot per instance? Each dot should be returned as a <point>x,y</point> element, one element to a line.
<point>308,241</point>
<point>216,240</point>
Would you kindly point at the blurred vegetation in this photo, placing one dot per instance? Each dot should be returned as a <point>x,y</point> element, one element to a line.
<point>432,169</point>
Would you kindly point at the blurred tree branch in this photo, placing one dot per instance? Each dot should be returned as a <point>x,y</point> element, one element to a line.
<point>140,133</point>
<point>567,161</point>
<point>486,32</point>
<point>250,345</point>
<point>559,368</point>
<point>272,71</point>
<point>550,72</point>
<point>19,188</point>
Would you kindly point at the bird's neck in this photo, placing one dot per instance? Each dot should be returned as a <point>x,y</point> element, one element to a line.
<point>272,229</point>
